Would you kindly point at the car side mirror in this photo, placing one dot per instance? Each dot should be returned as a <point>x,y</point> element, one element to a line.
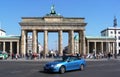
<point>68,61</point>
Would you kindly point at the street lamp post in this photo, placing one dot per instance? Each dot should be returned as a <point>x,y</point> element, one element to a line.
<point>115,25</point>
<point>115,54</point>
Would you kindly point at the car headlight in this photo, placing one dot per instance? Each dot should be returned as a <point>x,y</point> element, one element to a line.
<point>53,65</point>
<point>57,65</point>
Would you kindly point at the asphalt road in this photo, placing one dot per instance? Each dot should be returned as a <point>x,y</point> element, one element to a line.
<point>109,68</point>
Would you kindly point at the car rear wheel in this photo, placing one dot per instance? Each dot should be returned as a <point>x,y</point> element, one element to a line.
<point>62,69</point>
<point>81,67</point>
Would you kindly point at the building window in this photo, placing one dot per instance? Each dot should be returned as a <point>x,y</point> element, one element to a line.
<point>104,34</point>
<point>118,32</point>
<point>119,37</point>
<point>111,32</point>
<point>119,44</point>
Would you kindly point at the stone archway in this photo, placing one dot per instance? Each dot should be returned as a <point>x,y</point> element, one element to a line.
<point>53,23</point>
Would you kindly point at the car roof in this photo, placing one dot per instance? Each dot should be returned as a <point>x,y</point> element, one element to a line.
<point>70,56</point>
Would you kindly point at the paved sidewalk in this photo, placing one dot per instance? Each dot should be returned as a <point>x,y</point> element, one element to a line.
<point>104,59</point>
<point>52,59</point>
<point>24,59</point>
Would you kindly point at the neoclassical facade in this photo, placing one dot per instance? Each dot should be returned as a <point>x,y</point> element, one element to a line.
<point>10,44</point>
<point>101,44</point>
<point>110,32</point>
<point>53,23</point>
<point>97,44</point>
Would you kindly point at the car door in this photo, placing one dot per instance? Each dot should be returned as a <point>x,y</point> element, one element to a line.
<point>76,63</point>
<point>72,63</point>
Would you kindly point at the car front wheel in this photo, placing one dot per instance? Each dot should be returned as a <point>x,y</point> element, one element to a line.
<point>82,67</point>
<point>62,69</point>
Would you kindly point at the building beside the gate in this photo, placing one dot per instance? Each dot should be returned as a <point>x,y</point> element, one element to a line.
<point>110,32</point>
<point>9,44</point>
<point>97,44</point>
<point>113,32</point>
<point>100,44</point>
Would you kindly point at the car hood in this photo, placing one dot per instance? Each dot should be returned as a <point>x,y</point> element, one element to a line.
<point>55,62</point>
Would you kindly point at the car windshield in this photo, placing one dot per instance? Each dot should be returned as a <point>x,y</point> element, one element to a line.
<point>70,58</point>
<point>65,58</point>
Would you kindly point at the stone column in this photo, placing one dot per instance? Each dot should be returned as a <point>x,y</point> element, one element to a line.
<point>23,42</point>
<point>60,43</point>
<point>79,42</point>
<point>71,42</point>
<point>11,48</point>
<point>34,41</point>
<point>102,47</point>
<point>45,43</point>
<point>82,45</point>
<point>113,48</point>
<point>95,48</point>
<point>108,46</point>
<point>4,46</point>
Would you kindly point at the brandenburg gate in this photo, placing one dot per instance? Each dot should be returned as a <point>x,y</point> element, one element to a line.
<point>53,23</point>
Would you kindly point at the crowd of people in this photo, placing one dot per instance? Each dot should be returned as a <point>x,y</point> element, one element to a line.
<point>31,55</point>
<point>101,55</point>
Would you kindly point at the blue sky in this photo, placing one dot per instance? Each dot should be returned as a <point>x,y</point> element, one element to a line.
<point>98,14</point>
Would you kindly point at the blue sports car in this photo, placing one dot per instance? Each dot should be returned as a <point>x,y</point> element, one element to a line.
<point>66,64</point>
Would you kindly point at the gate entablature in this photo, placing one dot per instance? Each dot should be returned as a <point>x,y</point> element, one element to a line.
<point>52,23</point>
